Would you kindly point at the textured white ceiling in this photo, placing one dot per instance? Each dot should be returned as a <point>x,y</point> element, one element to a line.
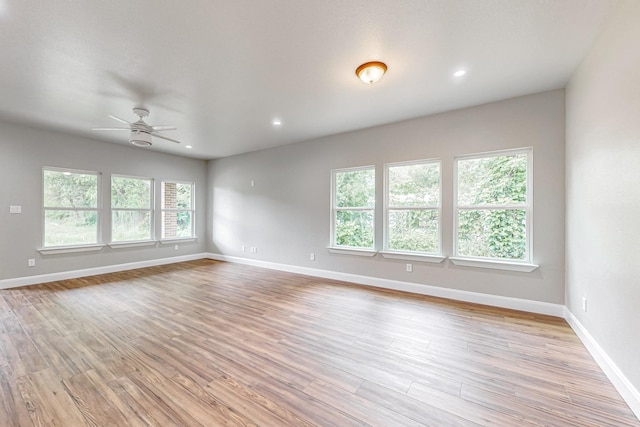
<point>221,71</point>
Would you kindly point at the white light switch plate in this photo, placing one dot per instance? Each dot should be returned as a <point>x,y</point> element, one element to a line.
<point>15,209</point>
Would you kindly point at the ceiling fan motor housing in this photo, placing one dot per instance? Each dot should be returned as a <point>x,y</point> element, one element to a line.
<point>140,112</point>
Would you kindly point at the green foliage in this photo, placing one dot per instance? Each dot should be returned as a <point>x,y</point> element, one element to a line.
<point>494,233</point>
<point>356,189</point>
<point>182,219</point>
<point>184,196</point>
<point>354,228</point>
<point>483,230</point>
<point>128,226</point>
<point>414,185</point>
<point>498,180</point>
<point>70,190</point>
<point>68,227</point>
<point>131,193</point>
<point>183,222</point>
<point>413,230</point>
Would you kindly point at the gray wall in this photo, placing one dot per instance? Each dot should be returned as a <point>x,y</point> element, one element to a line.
<point>603,182</point>
<point>286,215</point>
<point>24,151</point>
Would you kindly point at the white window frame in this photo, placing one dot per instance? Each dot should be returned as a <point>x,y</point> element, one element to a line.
<point>405,254</point>
<point>162,210</point>
<point>151,238</point>
<point>351,250</point>
<point>59,249</point>
<point>524,265</point>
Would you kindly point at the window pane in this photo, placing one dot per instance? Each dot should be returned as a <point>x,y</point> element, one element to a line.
<point>130,226</point>
<point>70,227</point>
<point>176,224</point>
<point>498,180</point>
<point>413,230</point>
<point>133,193</point>
<point>414,185</point>
<point>354,228</point>
<point>70,190</point>
<point>176,195</point>
<point>356,189</point>
<point>492,233</point>
<point>184,196</point>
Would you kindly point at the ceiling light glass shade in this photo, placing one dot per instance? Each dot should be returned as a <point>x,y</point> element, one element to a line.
<point>371,72</point>
<point>141,139</point>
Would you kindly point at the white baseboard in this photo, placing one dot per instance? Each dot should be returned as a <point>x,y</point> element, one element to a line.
<point>628,392</point>
<point>64,275</point>
<point>416,288</point>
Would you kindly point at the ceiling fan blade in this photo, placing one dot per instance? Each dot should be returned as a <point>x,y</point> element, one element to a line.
<point>110,129</point>
<point>159,135</point>
<point>162,127</point>
<point>119,119</point>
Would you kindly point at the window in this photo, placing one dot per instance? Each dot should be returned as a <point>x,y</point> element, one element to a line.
<point>131,209</point>
<point>177,210</point>
<point>353,204</point>
<point>70,205</point>
<point>412,214</point>
<point>493,205</point>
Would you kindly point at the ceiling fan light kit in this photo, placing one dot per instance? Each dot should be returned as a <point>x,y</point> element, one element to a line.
<point>141,132</point>
<point>140,139</point>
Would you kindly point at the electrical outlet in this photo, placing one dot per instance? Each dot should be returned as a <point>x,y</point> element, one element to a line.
<point>253,183</point>
<point>244,249</point>
<point>584,304</point>
<point>31,262</point>
<point>176,247</point>
<point>254,250</point>
<point>312,256</point>
<point>15,209</point>
<point>409,268</point>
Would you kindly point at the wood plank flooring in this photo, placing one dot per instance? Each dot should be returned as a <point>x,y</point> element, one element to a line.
<point>208,343</point>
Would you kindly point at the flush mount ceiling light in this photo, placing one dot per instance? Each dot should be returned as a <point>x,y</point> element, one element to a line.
<point>371,72</point>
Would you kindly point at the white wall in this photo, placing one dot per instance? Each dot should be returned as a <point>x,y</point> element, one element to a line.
<point>286,215</point>
<point>603,190</point>
<point>24,151</point>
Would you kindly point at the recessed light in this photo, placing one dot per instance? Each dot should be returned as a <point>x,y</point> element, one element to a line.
<point>277,122</point>
<point>188,146</point>
<point>459,73</point>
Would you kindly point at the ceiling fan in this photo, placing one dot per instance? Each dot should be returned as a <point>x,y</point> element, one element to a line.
<point>141,132</point>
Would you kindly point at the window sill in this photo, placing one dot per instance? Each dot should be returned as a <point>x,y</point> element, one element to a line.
<point>413,256</point>
<point>177,240</point>
<point>494,264</point>
<point>122,245</point>
<point>351,251</point>
<point>70,249</point>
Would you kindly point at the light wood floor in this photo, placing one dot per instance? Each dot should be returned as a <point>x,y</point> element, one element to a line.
<point>210,343</point>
